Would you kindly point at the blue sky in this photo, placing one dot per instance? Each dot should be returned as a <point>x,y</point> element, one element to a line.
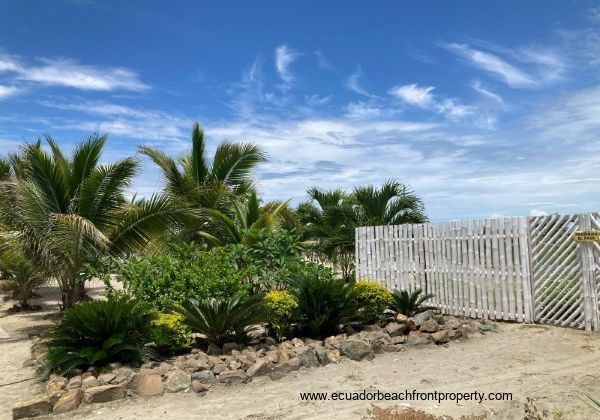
<point>485,108</point>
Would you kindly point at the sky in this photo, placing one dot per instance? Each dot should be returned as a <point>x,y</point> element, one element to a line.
<point>486,109</point>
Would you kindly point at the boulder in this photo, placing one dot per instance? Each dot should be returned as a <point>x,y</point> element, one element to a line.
<point>289,366</point>
<point>452,324</point>
<point>296,342</point>
<point>74,382</point>
<point>233,365</point>
<point>309,359</point>
<point>103,393</point>
<point>401,318</point>
<point>213,350</point>
<point>68,401</point>
<point>395,329</point>
<point>258,368</point>
<point>32,407</point>
<point>205,377</point>
<point>189,365</point>
<point>419,341</point>
<point>282,356</point>
<point>178,380</point>
<point>322,354</point>
<point>356,349</point>
<point>422,317</point>
<point>55,384</point>
<point>106,378</point>
<point>146,385</point>
<point>429,326</point>
<point>439,319</point>
<point>370,327</point>
<point>440,337</point>
<point>488,327</point>
<point>392,348</point>
<point>233,376</point>
<point>454,334</point>
<point>228,347</point>
<point>219,368</point>
<point>411,325</point>
<point>89,382</point>
<point>401,339</point>
<point>270,341</point>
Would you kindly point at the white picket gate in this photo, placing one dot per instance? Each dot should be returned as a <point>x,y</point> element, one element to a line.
<point>521,269</point>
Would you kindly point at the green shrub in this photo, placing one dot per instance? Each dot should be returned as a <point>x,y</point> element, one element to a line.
<point>409,303</point>
<point>282,311</point>
<point>324,302</point>
<point>222,320</point>
<point>170,333</point>
<point>374,299</point>
<point>168,281</point>
<point>97,333</point>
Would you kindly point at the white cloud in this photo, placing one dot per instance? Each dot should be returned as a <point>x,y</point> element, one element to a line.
<point>284,57</point>
<point>69,73</point>
<point>477,86</point>
<point>354,84</point>
<point>453,109</point>
<point>414,94</point>
<point>363,110</point>
<point>7,91</point>
<point>495,65</point>
<point>537,212</point>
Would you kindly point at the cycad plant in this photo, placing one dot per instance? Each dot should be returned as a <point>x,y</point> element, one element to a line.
<point>21,270</point>
<point>410,303</point>
<point>222,320</point>
<point>208,184</point>
<point>324,302</point>
<point>72,211</point>
<point>97,333</point>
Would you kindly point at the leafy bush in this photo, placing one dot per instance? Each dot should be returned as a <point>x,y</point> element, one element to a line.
<point>267,257</point>
<point>325,302</point>
<point>374,299</point>
<point>409,303</point>
<point>282,311</point>
<point>97,333</point>
<point>167,281</point>
<point>221,320</point>
<point>170,333</point>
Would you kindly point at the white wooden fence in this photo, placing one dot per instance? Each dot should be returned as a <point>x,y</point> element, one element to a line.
<point>521,269</point>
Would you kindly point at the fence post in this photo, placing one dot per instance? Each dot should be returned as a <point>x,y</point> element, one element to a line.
<point>586,253</point>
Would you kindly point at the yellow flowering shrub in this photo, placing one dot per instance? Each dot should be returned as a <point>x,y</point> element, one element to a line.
<point>282,311</point>
<point>374,299</point>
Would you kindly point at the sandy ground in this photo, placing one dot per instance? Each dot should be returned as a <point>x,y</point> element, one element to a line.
<point>555,366</point>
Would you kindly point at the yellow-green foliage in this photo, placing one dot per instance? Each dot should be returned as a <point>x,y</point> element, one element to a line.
<point>170,333</point>
<point>282,311</point>
<point>374,298</point>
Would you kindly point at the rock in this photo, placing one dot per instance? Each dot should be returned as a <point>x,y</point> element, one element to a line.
<point>392,348</point>
<point>205,377</point>
<point>419,341</point>
<point>309,359</point>
<point>356,349</point>
<point>68,401</point>
<point>422,317</point>
<point>146,385</point>
<point>55,384</point>
<point>121,375</point>
<point>228,347</point>
<point>32,407</point>
<point>103,393</point>
<point>256,332</point>
<point>213,350</point>
<point>410,324</point>
<point>89,382</point>
<point>452,324</point>
<point>334,356</point>
<point>289,366</point>
<point>282,356</point>
<point>296,342</point>
<point>413,335</point>
<point>395,329</point>
<point>401,339</point>
<point>370,327</point>
<point>219,368</point>
<point>322,354</point>
<point>74,382</point>
<point>258,368</point>
<point>178,380</point>
<point>270,341</point>
<point>440,337</point>
<point>274,376</point>
<point>189,365</point>
<point>401,318</point>
<point>429,326</point>
<point>454,334</point>
<point>233,376</point>
<point>198,386</point>
<point>106,378</point>
<point>245,362</point>
<point>488,327</point>
<point>439,319</point>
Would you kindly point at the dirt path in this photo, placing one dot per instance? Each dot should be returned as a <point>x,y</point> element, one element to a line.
<point>553,365</point>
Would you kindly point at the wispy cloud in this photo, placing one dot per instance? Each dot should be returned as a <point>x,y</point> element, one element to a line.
<point>322,61</point>
<point>494,65</point>
<point>284,57</point>
<point>414,94</point>
<point>478,87</point>
<point>354,83</point>
<point>69,73</point>
<point>7,91</point>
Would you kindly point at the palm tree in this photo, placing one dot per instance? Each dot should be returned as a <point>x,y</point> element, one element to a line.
<point>391,204</point>
<point>208,184</point>
<point>248,216</point>
<point>71,211</point>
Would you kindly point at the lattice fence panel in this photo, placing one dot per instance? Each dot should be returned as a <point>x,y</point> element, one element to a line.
<point>557,271</point>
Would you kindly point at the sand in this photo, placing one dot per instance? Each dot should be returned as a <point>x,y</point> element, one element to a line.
<point>555,366</point>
